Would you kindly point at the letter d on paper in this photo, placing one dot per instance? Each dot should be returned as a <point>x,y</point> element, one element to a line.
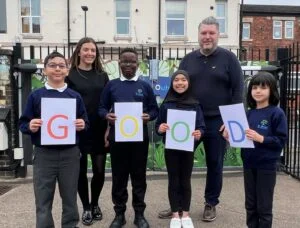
<point>234,128</point>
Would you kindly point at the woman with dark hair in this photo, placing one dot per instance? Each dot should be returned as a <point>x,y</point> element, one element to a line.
<point>87,77</point>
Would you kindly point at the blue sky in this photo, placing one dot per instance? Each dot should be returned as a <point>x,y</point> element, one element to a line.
<point>273,2</point>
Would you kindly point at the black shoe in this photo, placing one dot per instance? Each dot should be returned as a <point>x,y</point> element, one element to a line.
<point>209,213</point>
<point>97,213</point>
<point>87,218</point>
<point>118,221</point>
<point>141,222</point>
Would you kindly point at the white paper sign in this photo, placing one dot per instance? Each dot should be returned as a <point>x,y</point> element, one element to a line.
<point>58,116</point>
<point>235,121</point>
<point>182,125</point>
<point>129,123</point>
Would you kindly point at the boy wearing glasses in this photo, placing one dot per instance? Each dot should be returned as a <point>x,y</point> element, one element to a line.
<point>128,158</point>
<point>54,163</point>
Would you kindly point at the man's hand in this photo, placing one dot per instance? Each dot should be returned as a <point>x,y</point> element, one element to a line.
<point>225,134</point>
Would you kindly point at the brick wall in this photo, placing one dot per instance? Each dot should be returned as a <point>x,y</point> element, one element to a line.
<point>261,36</point>
<point>6,101</point>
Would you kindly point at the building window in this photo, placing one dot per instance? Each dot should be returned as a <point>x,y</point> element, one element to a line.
<point>246,31</point>
<point>289,29</point>
<point>3,25</point>
<point>123,17</point>
<point>221,15</point>
<point>31,16</point>
<point>277,29</point>
<point>175,18</point>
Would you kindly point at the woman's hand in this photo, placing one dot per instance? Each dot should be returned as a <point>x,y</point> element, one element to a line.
<point>145,117</point>
<point>79,124</point>
<point>106,141</point>
<point>111,117</point>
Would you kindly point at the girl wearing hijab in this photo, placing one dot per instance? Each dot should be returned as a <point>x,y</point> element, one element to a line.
<point>180,163</point>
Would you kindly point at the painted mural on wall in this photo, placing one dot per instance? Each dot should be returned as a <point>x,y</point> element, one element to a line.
<point>160,82</point>
<point>4,78</point>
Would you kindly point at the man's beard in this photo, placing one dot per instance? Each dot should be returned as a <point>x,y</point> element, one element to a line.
<point>208,51</point>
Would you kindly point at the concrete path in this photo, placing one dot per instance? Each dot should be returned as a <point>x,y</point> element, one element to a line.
<point>17,209</point>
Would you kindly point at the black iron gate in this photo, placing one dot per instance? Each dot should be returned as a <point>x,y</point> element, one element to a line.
<point>290,103</point>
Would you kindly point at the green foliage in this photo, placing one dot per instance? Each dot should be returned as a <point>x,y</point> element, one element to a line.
<point>233,157</point>
<point>89,162</point>
<point>199,157</point>
<point>173,66</point>
<point>112,69</point>
<point>168,67</point>
<point>108,161</point>
<point>35,61</point>
<point>37,81</point>
<point>144,67</point>
<point>158,156</point>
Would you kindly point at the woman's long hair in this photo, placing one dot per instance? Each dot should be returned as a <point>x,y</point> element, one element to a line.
<point>75,58</point>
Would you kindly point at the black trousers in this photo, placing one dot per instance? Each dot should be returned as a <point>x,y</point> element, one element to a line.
<point>259,192</point>
<point>215,148</point>
<point>129,159</point>
<point>179,165</point>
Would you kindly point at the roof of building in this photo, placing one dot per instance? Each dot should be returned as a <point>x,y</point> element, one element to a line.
<point>270,10</point>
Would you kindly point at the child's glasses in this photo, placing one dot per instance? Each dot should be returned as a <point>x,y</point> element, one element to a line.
<point>54,66</point>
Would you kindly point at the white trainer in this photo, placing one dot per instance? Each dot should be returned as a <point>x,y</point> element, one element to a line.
<point>175,223</point>
<point>187,222</point>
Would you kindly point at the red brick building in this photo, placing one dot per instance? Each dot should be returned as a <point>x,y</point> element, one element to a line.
<point>268,28</point>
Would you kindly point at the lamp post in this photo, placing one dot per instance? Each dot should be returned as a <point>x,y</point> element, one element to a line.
<point>84,8</point>
<point>68,31</point>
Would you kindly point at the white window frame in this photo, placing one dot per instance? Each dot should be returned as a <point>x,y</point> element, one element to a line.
<point>30,17</point>
<point>279,25</point>
<point>286,27</point>
<point>175,19</point>
<point>3,18</point>
<point>246,25</point>
<point>123,18</point>
<point>225,17</point>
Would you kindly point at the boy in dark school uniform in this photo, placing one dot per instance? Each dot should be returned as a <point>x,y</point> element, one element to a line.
<point>128,158</point>
<point>54,163</point>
